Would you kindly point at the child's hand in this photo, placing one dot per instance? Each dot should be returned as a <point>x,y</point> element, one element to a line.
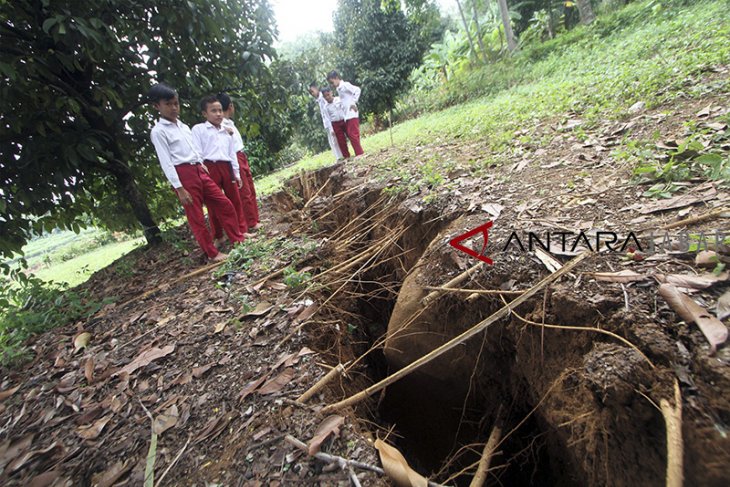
<point>184,196</point>
<point>205,168</point>
<point>239,183</point>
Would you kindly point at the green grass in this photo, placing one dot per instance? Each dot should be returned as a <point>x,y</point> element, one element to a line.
<point>637,54</point>
<point>53,242</point>
<point>273,182</point>
<point>78,269</point>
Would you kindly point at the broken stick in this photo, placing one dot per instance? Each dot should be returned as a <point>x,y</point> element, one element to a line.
<point>342,462</point>
<point>675,449</point>
<point>455,281</point>
<point>454,342</point>
<point>334,372</point>
<point>481,476</point>
<point>697,219</point>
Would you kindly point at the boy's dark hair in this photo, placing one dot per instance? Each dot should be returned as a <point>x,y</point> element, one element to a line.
<point>313,85</point>
<point>161,92</point>
<point>333,75</point>
<point>224,99</point>
<point>325,89</point>
<point>207,100</point>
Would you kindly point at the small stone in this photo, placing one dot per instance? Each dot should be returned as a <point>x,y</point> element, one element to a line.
<point>637,107</point>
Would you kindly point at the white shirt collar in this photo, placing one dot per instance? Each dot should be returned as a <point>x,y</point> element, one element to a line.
<point>165,121</point>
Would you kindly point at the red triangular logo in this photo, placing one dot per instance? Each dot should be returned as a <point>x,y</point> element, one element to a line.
<point>483,229</point>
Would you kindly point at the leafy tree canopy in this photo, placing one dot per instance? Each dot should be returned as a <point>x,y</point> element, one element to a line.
<point>380,42</point>
<point>74,123</point>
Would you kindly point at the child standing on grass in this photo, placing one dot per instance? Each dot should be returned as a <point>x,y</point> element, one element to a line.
<point>248,191</point>
<point>217,148</point>
<point>349,95</point>
<point>333,114</point>
<point>182,165</point>
<point>334,145</point>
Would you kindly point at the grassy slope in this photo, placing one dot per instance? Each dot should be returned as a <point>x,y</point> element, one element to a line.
<point>77,270</point>
<point>596,71</point>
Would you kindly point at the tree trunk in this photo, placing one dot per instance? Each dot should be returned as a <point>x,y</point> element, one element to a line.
<point>479,31</point>
<point>466,28</point>
<point>504,10</point>
<point>586,11</point>
<point>128,190</point>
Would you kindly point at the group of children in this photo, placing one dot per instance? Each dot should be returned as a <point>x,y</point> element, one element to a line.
<point>339,115</point>
<point>206,165</point>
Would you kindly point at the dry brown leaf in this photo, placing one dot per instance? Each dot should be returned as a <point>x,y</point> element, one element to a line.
<point>261,309</point>
<point>722,310</point>
<point>220,327</point>
<point>81,340</point>
<point>261,433</point>
<point>330,425</point>
<point>166,420</point>
<point>89,370</point>
<point>625,275</point>
<point>10,449</point>
<point>494,209</point>
<point>293,359</point>
<point>110,477</point>
<point>713,329</point>
<point>308,312</point>
<point>701,281</point>
<point>251,387</point>
<point>705,112</point>
<point>20,461</point>
<point>397,468</point>
<point>215,426</point>
<point>8,392</point>
<point>92,431</point>
<point>145,358</point>
<point>707,258</point>
<point>45,479</point>
<point>679,201</point>
<point>199,371</point>
<point>278,382</point>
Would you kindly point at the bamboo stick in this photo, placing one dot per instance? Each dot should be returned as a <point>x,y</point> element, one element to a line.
<point>456,280</point>
<point>481,476</point>
<point>454,342</point>
<point>675,449</point>
<point>334,372</point>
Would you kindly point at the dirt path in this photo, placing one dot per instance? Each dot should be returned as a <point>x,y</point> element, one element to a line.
<point>217,360</point>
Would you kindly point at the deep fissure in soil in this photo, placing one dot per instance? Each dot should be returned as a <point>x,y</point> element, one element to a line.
<point>565,421</point>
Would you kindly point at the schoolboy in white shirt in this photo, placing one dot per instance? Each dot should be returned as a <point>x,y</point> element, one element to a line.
<point>349,95</point>
<point>247,191</point>
<point>182,165</point>
<point>217,147</point>
<point>334,145</point>
<point>334,116</point>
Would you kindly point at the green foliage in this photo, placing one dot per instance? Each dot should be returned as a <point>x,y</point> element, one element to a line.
<point>75,137</point>
<point>381,43</point>
<point>698,156</point>
<point>29,306</point>
<point>294,279</point>
<point>244,255</point>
